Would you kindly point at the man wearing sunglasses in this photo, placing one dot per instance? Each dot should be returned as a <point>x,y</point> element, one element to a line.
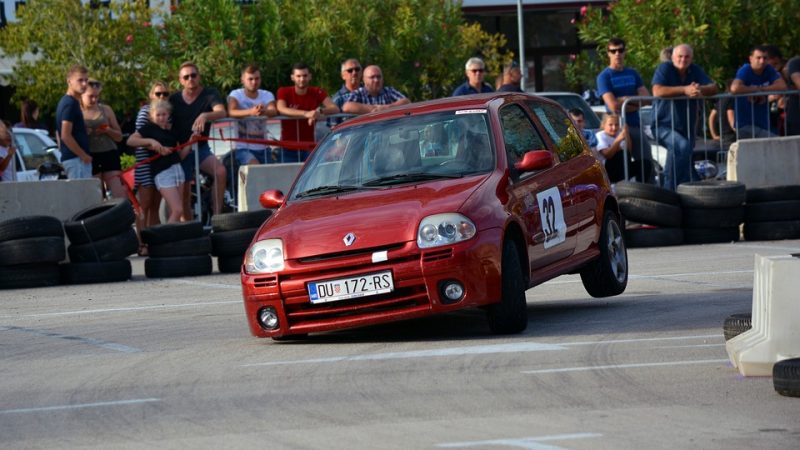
<point>193,109</point>
<point>255,105</point>
<point>615,84</point>
<point>351,74</point>
<point>475,69</point>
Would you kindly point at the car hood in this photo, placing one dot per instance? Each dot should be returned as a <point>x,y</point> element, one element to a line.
<point>377,218</point>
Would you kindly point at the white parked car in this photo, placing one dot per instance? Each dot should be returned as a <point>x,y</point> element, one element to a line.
<point>34,147</point>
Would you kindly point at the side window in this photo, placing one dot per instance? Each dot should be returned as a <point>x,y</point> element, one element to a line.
<point>560,129</point>
<point>519,134</point>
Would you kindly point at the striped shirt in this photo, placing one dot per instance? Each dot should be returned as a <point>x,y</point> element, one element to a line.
<point>386,96</point>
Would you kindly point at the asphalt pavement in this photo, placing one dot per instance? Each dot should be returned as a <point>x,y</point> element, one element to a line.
<point>171,364</point>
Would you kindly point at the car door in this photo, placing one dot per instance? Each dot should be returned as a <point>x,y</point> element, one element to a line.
<point>536,197</point>
<point>578,169</point>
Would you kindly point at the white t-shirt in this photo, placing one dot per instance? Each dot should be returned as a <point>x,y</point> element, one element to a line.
<point>605,140</point>
<point>9,174</point>
<point>252,128</point>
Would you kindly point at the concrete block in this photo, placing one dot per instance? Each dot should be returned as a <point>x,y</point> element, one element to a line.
<point>56,198</point>
<point>775,334</point>
<point>255,179</point>
<point>765,162</point>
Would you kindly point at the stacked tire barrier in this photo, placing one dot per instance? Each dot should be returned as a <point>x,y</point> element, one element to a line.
<point>712,211</point>
<point>772,213</point>
<point>101,239</point>
<point>653,215</point>
<point>30,249</point>
<point>231,236</point>
<point>177,250</point>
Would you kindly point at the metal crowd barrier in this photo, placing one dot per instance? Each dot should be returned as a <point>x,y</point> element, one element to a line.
<point>648,129</point>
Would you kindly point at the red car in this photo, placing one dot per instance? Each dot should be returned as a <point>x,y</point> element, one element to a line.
<point>433,207</point>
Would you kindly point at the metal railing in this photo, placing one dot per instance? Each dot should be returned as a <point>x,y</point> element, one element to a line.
<point>649,127</point>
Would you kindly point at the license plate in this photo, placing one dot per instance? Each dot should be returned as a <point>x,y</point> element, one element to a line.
<point>353,287</point>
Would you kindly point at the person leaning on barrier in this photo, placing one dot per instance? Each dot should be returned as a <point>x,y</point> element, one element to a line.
<point>752,112</point>
<point>302,101</point>
<point>615,84</point>
<point>512,76</point>
<point>721,120</point>
<point>475,70</point>
<point>373,96</point>
<point>251,102</point>
<point>792,104</point>
<point>679,78</point>
<point>351,75</point>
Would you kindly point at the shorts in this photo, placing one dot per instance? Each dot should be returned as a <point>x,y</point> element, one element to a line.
<point>77,169</point>
<point>105,162</point>
<point>188,163</point>
<point>170,178</point>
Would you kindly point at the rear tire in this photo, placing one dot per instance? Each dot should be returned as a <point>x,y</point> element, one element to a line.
<point>608,274</point>
<point>510,315</point>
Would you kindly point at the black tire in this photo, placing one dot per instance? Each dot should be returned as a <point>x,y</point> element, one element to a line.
<point>100,221</point>
<point>713,217</point>
<point>650,212</point>
<point>240,221</point>
<point>185,247</point>
<point>786,377</point>
<point>29,276</point>
<point>653,237</point>
<point>177,266</point>
<point>232,243</point>
<point>736,324</point>
<point>48,249</point>
<point>710,235</point>
<point>230,264</point>
<point>510,314</point>
<point>112,248</point>
<point>772,211</point>
<point>30,226</point>
<point>772,231</point>
<point>630,189</point>
<point>96,272</point>
<point>711,194</point>
<point>608,274</point>
<point>171,232</point>
<point>773,193</point>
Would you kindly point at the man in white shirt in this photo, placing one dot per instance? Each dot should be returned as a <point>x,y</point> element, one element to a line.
<point>254,104</point>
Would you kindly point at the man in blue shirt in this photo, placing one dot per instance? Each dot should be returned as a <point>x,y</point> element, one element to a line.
<point>752,113</point>
<point>615,84</point>
<point>674,121</point>
<point>70,127</point>
<point>475,70</point>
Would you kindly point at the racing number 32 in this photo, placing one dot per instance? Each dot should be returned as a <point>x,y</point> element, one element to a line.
<point>552,214</point>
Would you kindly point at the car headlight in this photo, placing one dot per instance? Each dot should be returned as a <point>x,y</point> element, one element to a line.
<point>444,229</point>
<point>264,257</point>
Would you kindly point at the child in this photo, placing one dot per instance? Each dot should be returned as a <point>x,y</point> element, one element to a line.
<point>611,142</point>
<point>156,137</point>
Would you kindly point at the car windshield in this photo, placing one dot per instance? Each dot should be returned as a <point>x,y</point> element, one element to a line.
<point>410,149</point>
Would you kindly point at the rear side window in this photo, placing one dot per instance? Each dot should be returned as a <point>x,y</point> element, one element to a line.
<point>519,134</point>
<point>560,129</point>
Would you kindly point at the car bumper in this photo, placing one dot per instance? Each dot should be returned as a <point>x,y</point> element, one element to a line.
<point>418,276</point>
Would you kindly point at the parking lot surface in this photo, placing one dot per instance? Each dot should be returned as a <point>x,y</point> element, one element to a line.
<point>170,364</point>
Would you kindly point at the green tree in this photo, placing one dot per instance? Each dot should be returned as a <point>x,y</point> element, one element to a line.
<point>720,31</point>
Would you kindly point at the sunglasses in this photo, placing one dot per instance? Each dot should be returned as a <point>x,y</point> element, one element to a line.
<point>477,70</point>
<point>161,94</point>
<point>614,51</point>
<point>353,69</point>
<point>188,76</point>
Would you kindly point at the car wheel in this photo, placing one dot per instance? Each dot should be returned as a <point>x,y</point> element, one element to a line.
<point>736,324</point>
<point>786,377</point>
<point>608,274</point>
<point>510,315</point>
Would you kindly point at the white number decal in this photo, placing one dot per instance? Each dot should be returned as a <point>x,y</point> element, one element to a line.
<point>552,214</point>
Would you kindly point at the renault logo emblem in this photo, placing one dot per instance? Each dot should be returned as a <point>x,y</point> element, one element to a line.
<point>349,238</point>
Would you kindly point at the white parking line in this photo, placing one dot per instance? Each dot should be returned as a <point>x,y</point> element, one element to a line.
<point>80,405</point>
<point>532,443</point>
<point>126,309</point>
<point>80,339</point>
<point>625,366</point>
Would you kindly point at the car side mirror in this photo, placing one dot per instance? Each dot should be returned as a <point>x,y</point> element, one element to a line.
<point>272,198</point>
<point>534,160</point>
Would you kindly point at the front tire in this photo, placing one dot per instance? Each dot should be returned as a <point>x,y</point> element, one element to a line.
<point>510,315</point>
<point>608,274</point>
